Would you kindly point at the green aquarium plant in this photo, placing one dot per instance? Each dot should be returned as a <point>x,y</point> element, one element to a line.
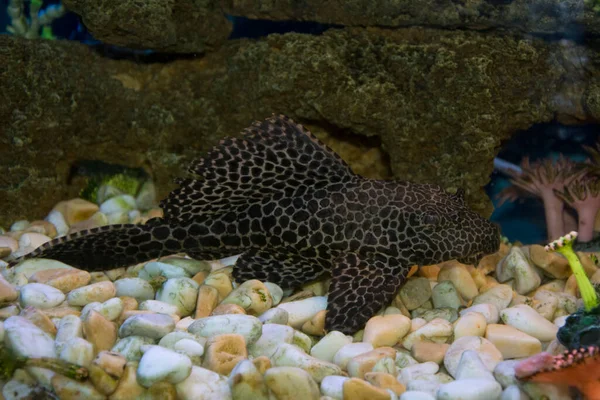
<point>123,183</point>
<point>581,328</point>
<point>10,362</point>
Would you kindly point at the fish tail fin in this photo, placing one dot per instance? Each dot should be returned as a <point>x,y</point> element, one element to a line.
<point>108,247</point>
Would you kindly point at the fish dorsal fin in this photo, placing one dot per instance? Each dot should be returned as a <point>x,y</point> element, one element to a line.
<point>273,156</point>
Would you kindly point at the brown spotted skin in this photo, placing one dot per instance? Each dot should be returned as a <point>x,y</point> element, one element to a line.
<point>294,210</point>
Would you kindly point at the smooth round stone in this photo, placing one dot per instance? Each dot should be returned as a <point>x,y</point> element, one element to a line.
<point>64,279</point>
<point>547,303</point>
<point>246,382</point>
<point>253,296</point>
<point>100,292</point>
<point>444,294</point>
<point>527,320</point>
<point>190,348</point>
<point>275,291</point>
<point>32,240</point>
<point>459,275</point>
<point>154,326</point>
<point>160,364</point>
<point>272,335</point>
<point>157,268</point>
<point>58,220</point>
<point>386,330</point>
<point>246,325</point>
<point>302,340</point>
<point>40,296</point>
<point>504,373</point>
<point>301,311</point>
<point>288,355</point>
<point>449,314</point>
<point>7,241</point>
<point>499,295</point>
<point>289,382</point>
<point>181,292</point>
<point>437,330</point>
<point>349,351</point>
<point>211,385</point>
<point>416,395</point>
<point>159,307</point>
<point>470,324</point>
<point>517,266</point>
<point>191,266</point>
<point>131,346</point>
<point>471,367</point>
<point>326,348</point>
<point>469,389</point>
<point>7,291</point>
<point>137,288</point>
<point>511,342</point>
<point>77,351</point>
<point>69,327</point>
<point>274,316</point>
<point>27,340</point>
<point>415,292</point>
<point>514,393</point>
<point>489,311</point>
<point>333,386</point>
<point>417,372</point>
<point>486,350</point>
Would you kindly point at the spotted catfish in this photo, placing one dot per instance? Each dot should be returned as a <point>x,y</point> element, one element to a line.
<point>294,211</point>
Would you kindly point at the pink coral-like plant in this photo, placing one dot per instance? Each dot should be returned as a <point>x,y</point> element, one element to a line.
<point>583,194</point>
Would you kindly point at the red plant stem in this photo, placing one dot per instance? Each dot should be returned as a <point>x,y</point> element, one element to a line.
<point>553,208</point>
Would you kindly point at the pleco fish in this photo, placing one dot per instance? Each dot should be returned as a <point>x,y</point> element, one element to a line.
<point>294,210</point>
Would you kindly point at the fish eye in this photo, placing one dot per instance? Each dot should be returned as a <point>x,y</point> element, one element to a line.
<point>430,219</point>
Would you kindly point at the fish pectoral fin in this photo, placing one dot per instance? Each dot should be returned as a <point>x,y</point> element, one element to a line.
<point>359,289</point>
<point>288,270</point>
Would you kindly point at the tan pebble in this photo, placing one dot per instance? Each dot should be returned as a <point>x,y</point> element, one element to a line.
<point>7,292</point>
<point>222,309</point>
<point>363,363</point>
<point>99,331</point>
<point>511,342</point>
<point>223,352</point>
<point>458,274</point>
<point>588,264</point>
<point>5,252</point>
<point>208,297</point>
<point>99,277</point>
<point>262,363</point>
<point>290,383</point>
<point>100,291</point>
<point>64,279</point>
<point>128,387</point>
<point>40,320</point>
<point>357,389</point>
<point>129,303</point>
<point>111,362</point>
<point>200,277</point>
<point>9,311</point>
<point>477,275</point>
<point>101,380</point>
<point>489,263</point>
<point>429,271</point>
<point>429,351</point>
<point>386,330</point>
<point>221,281</point>
<point>413,270</point>
<point>95,221</point>
<point>76,210</point>
<point>385,381</point>
<point>130,313</point>
<point>43,227</point>
<point>316,325</point>
<point>155,213</point>
<point>69,389</point>
<point>10,242</point>
<point>161,391</point>
<point>552,263</point>
<point>61,311</point>
<point>116,273</point>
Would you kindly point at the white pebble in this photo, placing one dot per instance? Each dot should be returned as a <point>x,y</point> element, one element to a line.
<point>57,219</point>
<point>415,395</point>
<point>272,335</point>
<point>303,310</point>
<point>288,355</point>
<point>274,316</point>
<point>202,381</point>
<point>470,324</point>
<point>527,320</point>
<point>498,295</point>
<point>154,326</point>
<point>157,268</point>
<point>333,386</point>
<point>489,311</point>
<point>122,202</point>
<point>131,346</point>
<point>514,393</point>
<point>159,307</point>
<point>328,346</point>
<point>27,340</point>
<point>181,292</point>
<point>246,325</point>
<point>100,291</point>
<point>137,288</point>
<point>69,327</point>
<point>40,296</point>
<point>469,389</point>
<point>471,367</point>
<point>488,353</point>
<point>437,330</point>
<point>77,351</point>
<point>349,351</point>
<point>414,372</point>
<point>160,364</point>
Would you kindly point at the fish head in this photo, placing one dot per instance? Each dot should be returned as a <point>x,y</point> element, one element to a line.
<point>447,229</point>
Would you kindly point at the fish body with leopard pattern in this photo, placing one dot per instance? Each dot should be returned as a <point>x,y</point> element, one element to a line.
<point>294,211</point>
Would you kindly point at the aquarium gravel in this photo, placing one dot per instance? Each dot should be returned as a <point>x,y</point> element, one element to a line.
<point>179,328</point>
